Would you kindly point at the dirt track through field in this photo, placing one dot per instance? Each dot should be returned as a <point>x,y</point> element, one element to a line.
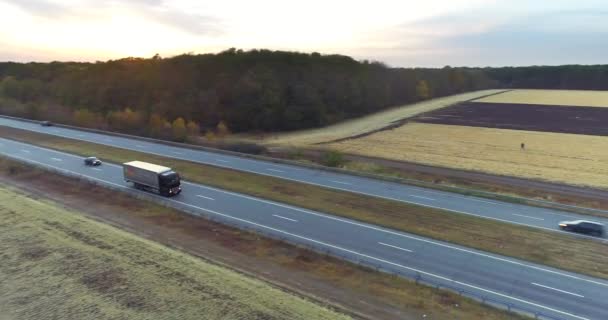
<point>530,117</point>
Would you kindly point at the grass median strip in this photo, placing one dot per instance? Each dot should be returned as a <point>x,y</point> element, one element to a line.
<point>549,248</point>
<point>361,291</point>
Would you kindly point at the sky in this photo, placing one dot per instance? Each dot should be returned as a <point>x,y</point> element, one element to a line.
<point>400,33</point>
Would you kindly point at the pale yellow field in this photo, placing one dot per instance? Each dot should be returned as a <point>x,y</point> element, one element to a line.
<point>369,123</point>
<point>57,264</point>
<point>552,97</point>
<point>569,158</point>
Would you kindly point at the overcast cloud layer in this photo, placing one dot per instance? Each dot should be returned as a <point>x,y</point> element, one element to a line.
<point>430,33</point>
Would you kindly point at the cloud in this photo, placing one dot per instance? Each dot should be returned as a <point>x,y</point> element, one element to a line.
<point>491,37</point>
<point>152,10</point>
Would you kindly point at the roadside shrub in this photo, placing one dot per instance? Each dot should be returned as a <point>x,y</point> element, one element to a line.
<point>333,159</point>
<point>243,147</point>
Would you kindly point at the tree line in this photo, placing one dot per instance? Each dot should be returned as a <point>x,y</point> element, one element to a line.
<point>246,91</point>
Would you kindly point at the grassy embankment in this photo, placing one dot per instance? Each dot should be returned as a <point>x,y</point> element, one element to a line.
<point>95,271</point>
<point>57,264</point>
<point>558,157</point>
<point>549,248</point>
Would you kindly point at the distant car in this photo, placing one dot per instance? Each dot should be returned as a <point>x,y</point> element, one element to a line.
<point>46,123</point>
<point>92,161</point>
<point>583,226</point>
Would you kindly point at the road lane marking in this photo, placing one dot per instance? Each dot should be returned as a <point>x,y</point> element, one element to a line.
<point>341,182</point>
<point>558,290</point>
<point>201,196</point>
<point>421,197</point>
<point>97,169</point>
<point>392,246</point>
<point>529,217</point>
<point>281,217</point>
<point>80,135</point>
<point>139,146</point>
<point>315,241</point>
<point>220,160</point>
<point>56,159</point>
<point>367,226</point>
<point>275,170</point>
<point>175,152</point>
<point>26,151</point>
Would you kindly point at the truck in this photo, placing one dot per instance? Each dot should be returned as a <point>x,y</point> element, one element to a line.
<point>153,178</point>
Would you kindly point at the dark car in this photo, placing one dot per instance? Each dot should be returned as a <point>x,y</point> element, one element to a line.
<point>583,226</point>
<point>92,161</point>
<point>46,123</point>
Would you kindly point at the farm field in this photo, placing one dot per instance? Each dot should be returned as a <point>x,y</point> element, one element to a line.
<point>369,123</point>
<point>57,264</point>
<point>579,120</point>
<point>586,98</point>
<point>558,157</point>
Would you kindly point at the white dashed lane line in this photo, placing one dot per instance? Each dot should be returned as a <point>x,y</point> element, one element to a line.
<point>529,217</point>
<point>285,218</point>
<point>341,182</point>
<point>395,247</point>
<point>204,197</point>
<point>421,197</point>
<point>558,290</point>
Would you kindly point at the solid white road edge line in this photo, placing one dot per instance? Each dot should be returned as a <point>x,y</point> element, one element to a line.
<point>558,290</point>
<point>322,243</point>
<point>281,217</point>
<point>529,217</point>
<point>201,196</point>
<point>392,246</point>
<point>401,234</point>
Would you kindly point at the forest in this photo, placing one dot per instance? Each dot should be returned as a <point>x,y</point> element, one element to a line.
<point>246,91</point>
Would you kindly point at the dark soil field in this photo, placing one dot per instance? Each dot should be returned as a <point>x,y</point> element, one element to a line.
<point>562,119</point>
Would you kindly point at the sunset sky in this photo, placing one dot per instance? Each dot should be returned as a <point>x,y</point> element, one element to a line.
<point>429,33</point>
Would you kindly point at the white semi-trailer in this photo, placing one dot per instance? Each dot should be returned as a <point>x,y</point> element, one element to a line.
<point>152,177</point>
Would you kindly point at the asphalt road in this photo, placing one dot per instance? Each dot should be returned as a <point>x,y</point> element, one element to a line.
<point>547,219</point>
<point>556,293</point>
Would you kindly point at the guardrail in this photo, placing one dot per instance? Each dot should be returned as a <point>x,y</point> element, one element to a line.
<point>416,277</point>
<point>413,182</point>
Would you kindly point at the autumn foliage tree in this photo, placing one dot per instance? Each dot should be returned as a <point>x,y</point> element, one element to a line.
<point>179,129</point>
<point>222,130</point>
<point>193,128</point>
<point>86,118</point>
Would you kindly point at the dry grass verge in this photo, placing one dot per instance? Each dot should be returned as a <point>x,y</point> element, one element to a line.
<point>97,252</point>
<point>549,248</point>
<point>57,264</point>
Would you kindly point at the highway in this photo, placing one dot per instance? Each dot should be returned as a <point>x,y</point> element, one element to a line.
<point>555,293</point>
<point>546,219</point>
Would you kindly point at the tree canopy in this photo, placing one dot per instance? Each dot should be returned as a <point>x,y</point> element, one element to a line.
<point>256,90</point>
